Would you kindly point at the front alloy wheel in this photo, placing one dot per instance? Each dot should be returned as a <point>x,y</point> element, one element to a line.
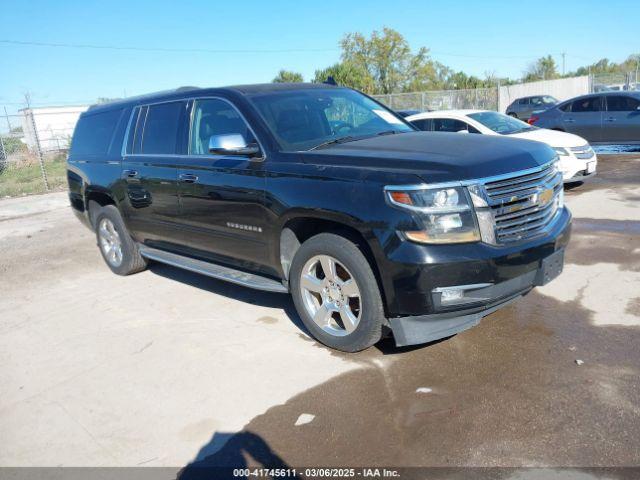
<point>336,293</point>
<point>331,295</point>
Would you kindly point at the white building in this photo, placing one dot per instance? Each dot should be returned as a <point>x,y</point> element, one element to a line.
<point>54,126</point>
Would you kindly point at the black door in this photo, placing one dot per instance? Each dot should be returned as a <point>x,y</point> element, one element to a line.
<point>150,173</point>
<point>222,198</point>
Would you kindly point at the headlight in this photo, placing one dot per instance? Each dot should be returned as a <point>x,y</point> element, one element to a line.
<point>446,213</point>
<point>561,151</point>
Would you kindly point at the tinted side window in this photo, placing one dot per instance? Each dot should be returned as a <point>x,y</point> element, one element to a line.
<point>94,132</point>
<point>425,124</point>
<point>161,128</point>
<point>590,104</point>
<point>566,107</point>
<point>215,117</point>
<point>448,125</point>
<point>622,104</point>
<point>523,101</point>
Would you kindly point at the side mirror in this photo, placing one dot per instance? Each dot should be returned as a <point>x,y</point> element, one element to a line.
<point>232,144</point>
<point>463,131</point>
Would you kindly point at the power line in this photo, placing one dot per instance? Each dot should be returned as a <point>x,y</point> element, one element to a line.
<point>488,57</point>
<point>160,49</point>
<point>211,50</point>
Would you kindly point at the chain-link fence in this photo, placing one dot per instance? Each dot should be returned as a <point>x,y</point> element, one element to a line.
<point>607,82</point>
<point>33,148</point>
<point>479,98</point>
<point>488,98</point>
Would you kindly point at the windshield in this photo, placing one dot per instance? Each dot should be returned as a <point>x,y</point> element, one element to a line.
<point>543,101</point>
<point>305,119</point>
<point>501,123</point>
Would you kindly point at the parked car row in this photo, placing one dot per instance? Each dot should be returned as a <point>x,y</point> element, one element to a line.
<point>607,117</point>
<point>578,161</point>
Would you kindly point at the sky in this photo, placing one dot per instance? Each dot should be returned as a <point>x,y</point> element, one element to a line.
<point>245,41</point>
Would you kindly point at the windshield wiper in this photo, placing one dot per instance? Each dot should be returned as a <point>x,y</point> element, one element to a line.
<point>388,132</point>
<point>346,138</point>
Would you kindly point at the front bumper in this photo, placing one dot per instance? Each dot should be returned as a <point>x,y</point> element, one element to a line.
<point>577,170</point>
<point>501,274</point>
<point>427,328</point>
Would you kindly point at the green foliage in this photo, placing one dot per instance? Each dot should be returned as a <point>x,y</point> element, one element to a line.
<point>13,145</point>
<point>604,65</point>
<point>26,178</point>
<point>347,74</point>
<point>287,76</point>
<point>389,61</point>
<point>542,69</point>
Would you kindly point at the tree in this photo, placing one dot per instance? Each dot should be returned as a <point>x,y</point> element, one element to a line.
<point>347,74</point>
<point>287,76</point>
<point>542,69</point>
<point>388,59</point>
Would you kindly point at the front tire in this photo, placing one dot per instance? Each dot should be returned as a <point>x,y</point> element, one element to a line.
<point>336,293</point>
<point>118,249</point>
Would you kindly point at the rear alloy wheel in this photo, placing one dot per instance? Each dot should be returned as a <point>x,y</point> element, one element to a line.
<point>336,293</point>
<point>118,249</point>
<point>110,243</point>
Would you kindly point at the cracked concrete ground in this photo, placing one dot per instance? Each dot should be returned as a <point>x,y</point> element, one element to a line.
<point>169,368</point>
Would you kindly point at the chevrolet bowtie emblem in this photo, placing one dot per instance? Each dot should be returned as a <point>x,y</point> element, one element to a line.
<point>545,196</point>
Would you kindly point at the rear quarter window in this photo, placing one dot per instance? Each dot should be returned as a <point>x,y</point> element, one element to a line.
<point>424,124</point>
<point>94,133</point>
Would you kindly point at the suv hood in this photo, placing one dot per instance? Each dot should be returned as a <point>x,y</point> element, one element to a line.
<point>436,157</point>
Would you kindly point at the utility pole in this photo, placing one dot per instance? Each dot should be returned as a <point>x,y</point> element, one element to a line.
<point>6,115</point>
<point>29,112</point>
<point>564,54</point>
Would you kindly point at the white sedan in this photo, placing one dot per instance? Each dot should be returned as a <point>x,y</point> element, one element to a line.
<point>578,161</point>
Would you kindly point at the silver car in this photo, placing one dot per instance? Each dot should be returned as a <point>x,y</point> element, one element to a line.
<point>522,108</point>
<point>606,117</point>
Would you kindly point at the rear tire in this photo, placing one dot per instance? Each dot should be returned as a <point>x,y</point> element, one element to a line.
<point>119,250</point>
<point>342,308</point>
<point>511,114</point>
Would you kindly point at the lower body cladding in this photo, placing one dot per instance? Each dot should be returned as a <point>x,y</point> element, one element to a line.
<point>476,286</point>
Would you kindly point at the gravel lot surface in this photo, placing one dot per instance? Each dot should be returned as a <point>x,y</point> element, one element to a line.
<point>168,368</point>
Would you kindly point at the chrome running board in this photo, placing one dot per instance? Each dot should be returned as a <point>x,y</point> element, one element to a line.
<point>213,270</point>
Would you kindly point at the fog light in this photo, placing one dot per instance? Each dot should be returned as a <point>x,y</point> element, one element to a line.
<point>451,295</point>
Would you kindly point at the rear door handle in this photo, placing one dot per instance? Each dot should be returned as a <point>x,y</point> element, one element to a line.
<point>611,119</point>
<point>188,177</point>
<point>569,120</point>
<point>130,173</point>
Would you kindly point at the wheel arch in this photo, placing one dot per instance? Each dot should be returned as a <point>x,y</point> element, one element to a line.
<point>299,228</point>
<point>99,197</point>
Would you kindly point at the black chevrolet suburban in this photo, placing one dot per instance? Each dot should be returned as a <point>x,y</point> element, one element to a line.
<point>317,190</point>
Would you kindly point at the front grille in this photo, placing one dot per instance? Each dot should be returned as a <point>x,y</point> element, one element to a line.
<point>583,153</point>
<point>524,204</point>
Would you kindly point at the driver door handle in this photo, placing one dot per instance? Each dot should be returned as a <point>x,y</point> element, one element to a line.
<point>188,177</point>
<point>569,120</point>
<point>130,173</point>
<point>611,119</point>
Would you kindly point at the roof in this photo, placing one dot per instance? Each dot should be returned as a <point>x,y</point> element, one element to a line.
<point>278,87</point>
<point>439,113</point>
<point>242,89</point>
